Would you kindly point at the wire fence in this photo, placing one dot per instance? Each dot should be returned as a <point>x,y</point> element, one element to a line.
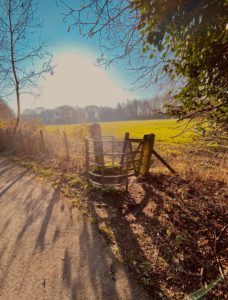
<point>38,141</point>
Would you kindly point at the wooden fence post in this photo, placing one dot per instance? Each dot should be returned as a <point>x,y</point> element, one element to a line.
<point>141,158</point>
<point>95,132</point>
<point>66,145</point>
<point>87,158</point>
<point>42,140</point>
<point>164,162</point>
<point>126,140</point>
<point>147,152</point>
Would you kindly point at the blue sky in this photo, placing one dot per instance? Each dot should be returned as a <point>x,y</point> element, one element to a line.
<point>76,80</point>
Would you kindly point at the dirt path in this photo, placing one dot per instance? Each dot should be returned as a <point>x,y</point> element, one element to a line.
<point>48,250</point>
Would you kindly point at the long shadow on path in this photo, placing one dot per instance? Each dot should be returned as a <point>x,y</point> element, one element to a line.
<point>49,251</point>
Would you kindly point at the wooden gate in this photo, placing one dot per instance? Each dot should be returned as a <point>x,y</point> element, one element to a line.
<point>110,162</point>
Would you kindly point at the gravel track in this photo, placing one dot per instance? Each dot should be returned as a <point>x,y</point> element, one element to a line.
<point>48,250</point>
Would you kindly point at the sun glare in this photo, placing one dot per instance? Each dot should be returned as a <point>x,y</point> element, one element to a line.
<point>77,81</point>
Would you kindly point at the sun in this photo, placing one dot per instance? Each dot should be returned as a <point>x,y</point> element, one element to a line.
<point>78,81</point>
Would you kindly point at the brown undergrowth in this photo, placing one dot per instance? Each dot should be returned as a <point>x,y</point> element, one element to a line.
<point>170,230</point>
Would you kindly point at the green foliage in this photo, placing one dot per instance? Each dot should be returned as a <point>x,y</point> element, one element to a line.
<point>74,201</point>
<point>130,258</point>
<point>107,232</point>
<point>204,291</point>
<point>192,39</point>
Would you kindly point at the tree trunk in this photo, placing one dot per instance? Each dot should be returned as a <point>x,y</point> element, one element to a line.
<point>18,108</point>
<point>16,81</point>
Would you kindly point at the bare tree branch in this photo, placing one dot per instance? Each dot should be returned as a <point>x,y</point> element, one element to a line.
<point>18,57</point>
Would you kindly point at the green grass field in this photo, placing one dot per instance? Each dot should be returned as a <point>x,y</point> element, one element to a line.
<point>166,131</point>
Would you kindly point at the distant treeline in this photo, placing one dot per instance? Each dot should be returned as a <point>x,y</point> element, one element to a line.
<point>129,110</point>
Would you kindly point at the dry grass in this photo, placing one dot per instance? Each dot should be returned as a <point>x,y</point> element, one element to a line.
<point>187,158</point>
<point>168,229</point>
<point>194,161</point>
<point>36,143</point>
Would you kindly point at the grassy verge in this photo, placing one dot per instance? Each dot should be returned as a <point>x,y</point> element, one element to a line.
<point>171,231</point>
<point>166,131</point>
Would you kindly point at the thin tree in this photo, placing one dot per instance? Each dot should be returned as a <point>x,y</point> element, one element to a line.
<point>23,59</point>
<point>180,44</point>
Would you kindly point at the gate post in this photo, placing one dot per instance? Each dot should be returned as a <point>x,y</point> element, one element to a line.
<point>42,141</point>
<point>125,145</point>
<point>147,152</point>
<point>95,132</point>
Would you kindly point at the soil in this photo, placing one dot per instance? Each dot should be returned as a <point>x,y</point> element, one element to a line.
<point>49,250</point>
<point>171,232</point>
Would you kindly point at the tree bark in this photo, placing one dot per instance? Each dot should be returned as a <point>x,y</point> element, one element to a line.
<point>16,81</point>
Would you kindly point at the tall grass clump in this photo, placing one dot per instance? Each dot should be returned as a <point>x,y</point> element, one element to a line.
<point>63,145</point>
<point>51,147</point>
